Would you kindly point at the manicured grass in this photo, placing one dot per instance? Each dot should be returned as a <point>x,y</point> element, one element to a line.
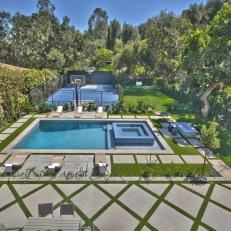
<point>148,95</point>
<point>5,126</point>
<point>159,169</point>
<point>224,152</point>
<point>181,150</point>
<point>11,137</point>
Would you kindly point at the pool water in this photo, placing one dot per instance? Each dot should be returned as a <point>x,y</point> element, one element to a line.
<point>64,134</point>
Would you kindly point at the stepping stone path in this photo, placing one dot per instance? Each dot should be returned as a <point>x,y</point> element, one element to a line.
<point>199,188</point>
<point>3,136</point>
<point>193,159</point>
<point>123,159</point>
<point>16,125</point>
<point>128,117</point>
<point>22,120</point>
<point>144,159</point>
<point>3,157</point>
<point>9,130</point>
<point>168,159</point>
<point>114,116</point>
<point>40,116</point>
<point>142,117</point>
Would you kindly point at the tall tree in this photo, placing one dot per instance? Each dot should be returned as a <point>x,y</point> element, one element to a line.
<point>129,33</point>
<point>113,33</point>
<point>45,6</point>
<point>98,23</point>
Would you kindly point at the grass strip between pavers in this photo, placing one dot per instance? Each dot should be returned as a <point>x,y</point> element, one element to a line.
<point>68,200</point>
<point>197,220</point>
<point>153,208</point>
<point>20,201</point>
<point>12,136</point>
<point>107,205</point>
<point>176,170</point>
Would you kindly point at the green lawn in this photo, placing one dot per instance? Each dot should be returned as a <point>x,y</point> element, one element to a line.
<point>159,169</point>
<point>149,95</point>
<point>181,150</point>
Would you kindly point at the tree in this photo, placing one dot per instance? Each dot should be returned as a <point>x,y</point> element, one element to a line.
<point>128,33</point>
<point>98,23</point>
<point>45,6</point>
<point>209,137</point>
<point>113,33</point>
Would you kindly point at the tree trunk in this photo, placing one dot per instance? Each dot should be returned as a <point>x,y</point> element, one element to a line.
<point>204,98</point>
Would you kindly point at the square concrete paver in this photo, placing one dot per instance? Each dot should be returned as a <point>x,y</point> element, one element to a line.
<point>6,195</point>
<point>13,217</point>
<point>166,218</point>
<point>156,188</point>
<point>123,159</point>
<point>193,159</point>
<point>142,117</point>
<point>227,185</point>
<point>90,200</point>
<point>23,189</point>
<point>44,195</point>
<point>128,117</point>
<point>116,218</point>
<point>113,189</point>
<point>68,189</point>
<point>16,125</point>
<point>3,136</point>
<point>138,200</point>
<point>221,195</point>
<point>114,116</point>
<point>184,199</point>
<point>168,159</point>
<point>200,228</point>
<point>217,218</point>
<point>144,159</point>
<point>22,120</point>
<point>200,188</point>
<point>9,130</point>
<point>145,228</point>
<point>3,157</point>
<point>195,143</point>
<point>40,116</point>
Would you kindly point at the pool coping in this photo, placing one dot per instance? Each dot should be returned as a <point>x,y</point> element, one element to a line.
<point>167,150</point>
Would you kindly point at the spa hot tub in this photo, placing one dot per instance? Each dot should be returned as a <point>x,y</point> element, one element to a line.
<point>132,133</point>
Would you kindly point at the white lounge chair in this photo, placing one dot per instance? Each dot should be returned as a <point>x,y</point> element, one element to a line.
<point>58,112</point>
<point>79,112</point>
<point>56,163</point>
<point>99,112</point>
<point>15,161</point>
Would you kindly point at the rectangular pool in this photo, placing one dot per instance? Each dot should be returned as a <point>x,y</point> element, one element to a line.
<point>65,134</point>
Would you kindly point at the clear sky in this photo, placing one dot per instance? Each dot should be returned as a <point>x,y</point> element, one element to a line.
<point>130,11</point>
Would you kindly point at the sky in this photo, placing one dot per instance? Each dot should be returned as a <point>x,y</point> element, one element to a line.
<point>130,11</point>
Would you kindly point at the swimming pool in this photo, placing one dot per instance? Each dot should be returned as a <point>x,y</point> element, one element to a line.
<point>65,134</point>
<point>72,136</point>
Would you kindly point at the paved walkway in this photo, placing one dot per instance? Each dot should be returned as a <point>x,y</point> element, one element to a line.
<point>125,207</point>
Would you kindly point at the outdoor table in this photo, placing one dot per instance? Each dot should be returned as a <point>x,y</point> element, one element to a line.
<point>42,223</point>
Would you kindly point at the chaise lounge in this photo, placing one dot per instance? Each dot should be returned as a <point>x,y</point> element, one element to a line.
<point>99,112</point>
<point>58,111</point>
<point>79,112</point>
<point>56,163</point>
<point>15,162</point>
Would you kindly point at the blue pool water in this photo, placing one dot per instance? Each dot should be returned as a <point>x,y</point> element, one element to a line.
<point>93,93</point>
<point>65,134</point>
